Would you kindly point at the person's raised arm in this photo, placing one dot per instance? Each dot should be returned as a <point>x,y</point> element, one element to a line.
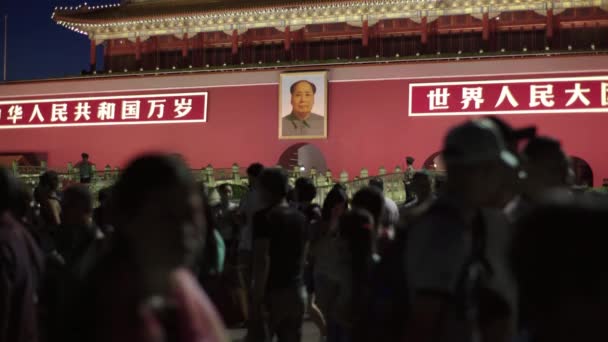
<point>55,211</point>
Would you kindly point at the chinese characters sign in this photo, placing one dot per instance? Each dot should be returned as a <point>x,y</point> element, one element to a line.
<point>113,109</point>
<point>525,96</point>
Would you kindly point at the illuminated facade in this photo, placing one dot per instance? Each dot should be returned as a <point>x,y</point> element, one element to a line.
<point>149,34</point>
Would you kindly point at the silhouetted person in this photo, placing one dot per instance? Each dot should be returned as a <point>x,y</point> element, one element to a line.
<point>356,256</point>
<point>513,138</point>
<point>77,232</point>
<point>213,253</point>
<point>558,259</point>
<point>390,216</point>
<point>100,214</point>
<point>142,288</point>
<point>225,215</point>
<point>280,236</point>
<point>47,198</point>
<point>382,299</point>
<point>547,168</point>
<point>409,168</point>
<point>79,243</point>
<point>339,187</point>
<point>47,195</point>
<point>421,189</point>
<point>324,237</point>
<point>305,192</point>
<point>370,199</point>
<point>20,270</point>
<point>455,266</point>
<point>85,168</point>
<point>440,180</point>
<point>250,204</point>
<point>211,257</point>
<point>27,211</point>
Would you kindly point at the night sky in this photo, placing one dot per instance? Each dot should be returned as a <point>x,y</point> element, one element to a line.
<point>39,48</point>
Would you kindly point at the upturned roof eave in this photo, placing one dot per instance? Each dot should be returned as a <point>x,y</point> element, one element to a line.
<point>76,16</point>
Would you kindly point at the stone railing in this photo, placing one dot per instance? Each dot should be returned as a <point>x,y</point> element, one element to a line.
<point>235,176</point>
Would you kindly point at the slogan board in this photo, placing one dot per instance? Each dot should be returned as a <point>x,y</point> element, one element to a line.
<point>116,108</point>
<point>521,96</point>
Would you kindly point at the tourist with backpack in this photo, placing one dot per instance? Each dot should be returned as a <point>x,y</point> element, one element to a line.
<point>279,252</point>
<point>456,272</point>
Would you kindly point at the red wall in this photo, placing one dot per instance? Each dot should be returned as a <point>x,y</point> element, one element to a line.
<point>368,123</point>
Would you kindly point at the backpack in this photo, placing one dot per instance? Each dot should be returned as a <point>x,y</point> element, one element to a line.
<point>470,284</point>
<point>459,319</point>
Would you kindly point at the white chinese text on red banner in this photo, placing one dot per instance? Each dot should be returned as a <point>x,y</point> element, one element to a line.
<point>98,110</point>
<point>522,96</point>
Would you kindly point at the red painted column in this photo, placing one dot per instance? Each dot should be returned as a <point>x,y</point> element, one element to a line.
<point>322,49</point>
<point>235,42</point>
<point>424,31</point>
<point>138,49</point>
<point>365,37</point>
<point>185,45</point>
<point>107,53</point>
<point>287,42</point>
<point>202,42</point>
<point>157,53</point>
<point>93,55</point>
<point>485,33</point>
<point>549,28</point>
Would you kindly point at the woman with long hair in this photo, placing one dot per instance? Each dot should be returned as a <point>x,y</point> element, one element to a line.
<point>323,235</point>
<point>348,287</point>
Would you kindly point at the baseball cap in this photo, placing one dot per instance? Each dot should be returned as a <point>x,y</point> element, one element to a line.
<point>477,141</point>
<point>512,135</point>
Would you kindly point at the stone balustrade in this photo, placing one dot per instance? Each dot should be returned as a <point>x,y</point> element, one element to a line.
<point>235,176</point>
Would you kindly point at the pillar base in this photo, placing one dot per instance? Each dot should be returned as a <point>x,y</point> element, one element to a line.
<point>423,48</point>
<point>485,45</point>
<point>365,51</point>
<point>185,62</point>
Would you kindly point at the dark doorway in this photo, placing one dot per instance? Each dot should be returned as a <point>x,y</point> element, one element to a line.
<point>307,156</point>
<point>434,162</point>
<point>582,172</point>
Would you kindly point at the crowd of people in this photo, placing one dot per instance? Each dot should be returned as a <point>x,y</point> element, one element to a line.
<point>502,249</point>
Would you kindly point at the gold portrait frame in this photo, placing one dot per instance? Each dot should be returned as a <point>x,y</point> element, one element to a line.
<point>285,81</point>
